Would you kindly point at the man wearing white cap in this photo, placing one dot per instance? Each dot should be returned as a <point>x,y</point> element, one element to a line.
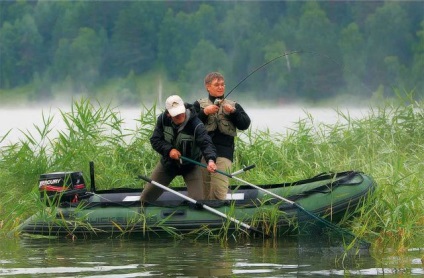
<point>179,132</point>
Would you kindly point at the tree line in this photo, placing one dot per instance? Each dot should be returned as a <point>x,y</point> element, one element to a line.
<point>332,47</point>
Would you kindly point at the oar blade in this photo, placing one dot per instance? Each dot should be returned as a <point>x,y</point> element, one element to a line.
<point>312,224</point>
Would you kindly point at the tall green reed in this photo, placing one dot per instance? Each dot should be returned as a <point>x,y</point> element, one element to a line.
<point>386,143</point>
<point>91,133</point>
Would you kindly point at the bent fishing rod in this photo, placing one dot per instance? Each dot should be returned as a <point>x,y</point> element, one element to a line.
<point>285,54</point>
<point>262,66</point>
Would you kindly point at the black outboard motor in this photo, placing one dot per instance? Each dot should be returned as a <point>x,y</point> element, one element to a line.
<point>59,187</point>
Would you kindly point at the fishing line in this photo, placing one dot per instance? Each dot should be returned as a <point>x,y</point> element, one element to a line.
<point>290,53</point>
<point>263,65</point>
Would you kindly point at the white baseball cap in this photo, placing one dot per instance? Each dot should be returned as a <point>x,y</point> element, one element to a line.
<point>175,105</point>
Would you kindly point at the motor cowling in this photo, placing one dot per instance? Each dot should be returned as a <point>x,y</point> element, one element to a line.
<point>59,187</point>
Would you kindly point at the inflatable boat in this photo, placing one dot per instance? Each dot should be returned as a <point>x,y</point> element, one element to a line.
<point>72,208</point>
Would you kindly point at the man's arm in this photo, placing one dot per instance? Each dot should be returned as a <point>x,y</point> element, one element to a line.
<point>200,113</point>
<point>204,141</point>
<point>157,140</point>
<point>240,118</point>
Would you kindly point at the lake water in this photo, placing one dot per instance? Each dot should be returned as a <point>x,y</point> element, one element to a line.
<point>166,257</point>
<point>105,258</point>
<point>276,119</point>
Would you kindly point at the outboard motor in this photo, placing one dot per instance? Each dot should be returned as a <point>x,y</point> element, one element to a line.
<point>59,187</point>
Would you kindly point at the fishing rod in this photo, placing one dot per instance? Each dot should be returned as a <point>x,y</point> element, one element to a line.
<point>285,54</point>
<point>263,65</point>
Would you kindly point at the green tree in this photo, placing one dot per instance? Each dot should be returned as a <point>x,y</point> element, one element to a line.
<point>320,76</point>
<point>62,57</point>
<point>134,42</point>
<point>205,57</point>
<point>361,10</point>
<point>47,14</point>
<point>416,81</point>
<point>278,78</point>
<point>86,53</point>
<point>180,34</point>
<point>271,12</point>
<point>79,59</point>
<point>387,32</point>
<point>69,23</point>
<point>346,44</point>
<point>351,43</point>
<point>244,40</point>
<point>13,10</point>
<point>20,47</point>
<point>282,39</point>
<point>8,55</point>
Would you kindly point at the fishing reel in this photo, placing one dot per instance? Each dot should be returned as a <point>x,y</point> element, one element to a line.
<point>218,101</point>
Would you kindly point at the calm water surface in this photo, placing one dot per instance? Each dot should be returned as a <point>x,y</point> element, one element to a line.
<point>275,119</point>
<point>187,258</point>
<point>22,257</point>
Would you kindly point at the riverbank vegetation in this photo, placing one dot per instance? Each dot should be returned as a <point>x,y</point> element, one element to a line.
<point>386,144</point>
<point>57,49</point>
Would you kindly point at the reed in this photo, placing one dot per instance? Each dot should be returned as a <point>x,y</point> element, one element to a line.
<point>386,144</point>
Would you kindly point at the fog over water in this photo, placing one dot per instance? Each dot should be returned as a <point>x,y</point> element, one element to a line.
<point>278,119</point>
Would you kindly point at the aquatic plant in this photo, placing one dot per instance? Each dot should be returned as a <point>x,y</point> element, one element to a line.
<point>386,143</point>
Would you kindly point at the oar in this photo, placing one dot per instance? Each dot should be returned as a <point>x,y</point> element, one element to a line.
<point>322,220</point>
<point>208,208</point>
<point>243,170</point>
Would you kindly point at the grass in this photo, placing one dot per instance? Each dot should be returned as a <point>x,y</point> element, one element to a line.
<point>386,144</point>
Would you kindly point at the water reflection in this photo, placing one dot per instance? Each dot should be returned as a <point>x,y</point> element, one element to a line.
<point>186,258</point>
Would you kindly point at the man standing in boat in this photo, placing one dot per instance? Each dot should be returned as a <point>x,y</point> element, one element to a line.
<point>222,117</point>
<point>179,132</point>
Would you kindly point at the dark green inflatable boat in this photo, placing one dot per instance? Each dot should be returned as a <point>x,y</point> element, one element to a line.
<point>72,209</point>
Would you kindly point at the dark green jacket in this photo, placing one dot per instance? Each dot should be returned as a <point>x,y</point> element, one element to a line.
<point>192,127</point>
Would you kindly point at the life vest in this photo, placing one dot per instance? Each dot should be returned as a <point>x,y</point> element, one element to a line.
<point>219,120</point>
<point>183,142</point>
